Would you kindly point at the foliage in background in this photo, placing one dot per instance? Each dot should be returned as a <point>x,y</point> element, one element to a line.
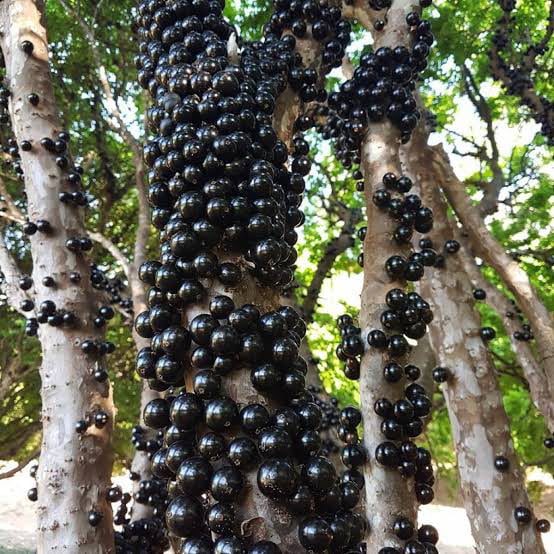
<point>464,31</point>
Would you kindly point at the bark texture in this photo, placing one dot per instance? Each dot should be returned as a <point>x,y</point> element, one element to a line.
<point>288,105</point>
<point>486,247</point>
<point>74,471</point>
<point>532,372</point>
<point>479,422</point>
<point>141,462</point>
<point>387,494</point>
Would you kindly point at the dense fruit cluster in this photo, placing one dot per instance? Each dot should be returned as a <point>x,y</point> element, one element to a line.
<point>381,89</point>
<point>515,66</point>
<point>226,204</point>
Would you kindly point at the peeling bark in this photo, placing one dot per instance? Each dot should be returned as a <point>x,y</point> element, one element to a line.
<point>533,373</point>
<point>486,247</point>
<point>74,471</point>
<point>387,494</point>
<point>288,106</point>
<point>479,422</point>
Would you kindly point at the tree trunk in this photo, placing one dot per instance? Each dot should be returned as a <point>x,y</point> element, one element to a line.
<point>263,519</point>
<point>479,423</point>
<point>141,461</point>
<point>74,470</point>
<point>486,247</point>
<point>387,493</point>
<point>532,372</point>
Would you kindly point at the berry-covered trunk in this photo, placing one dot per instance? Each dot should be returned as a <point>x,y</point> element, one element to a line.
<point>74,469</point>
<point>491,479</point>
<point>398,475</point>
<point>240,465</point>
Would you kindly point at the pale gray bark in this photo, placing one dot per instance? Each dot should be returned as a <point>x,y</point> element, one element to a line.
<point>479,422</point>
<point>533,373</point>
<point>74,471</point>
<point>140,463</point>
<point>490,250</point>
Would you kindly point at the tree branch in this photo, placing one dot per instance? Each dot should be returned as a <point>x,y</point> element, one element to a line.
<point>486,247</point>
<point>11,273</point>
<point>143,227</point>
<point>11,472</point>
<point>74,470</point>
<point>489,203</point>
<point>335,247</point>
<point>518,79</point>
<point>8,206</point>
<point>480,426</point>
<point>533,373</point>
<point>387,493</point>
<point>111,105</point>
<point>113,250</point>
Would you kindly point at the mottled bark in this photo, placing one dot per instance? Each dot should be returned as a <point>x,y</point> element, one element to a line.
<point>479,422</point>
<point>487,247</point>
<point>141,461</point>
<point>288,105</point>
<point>387,494</point>
<point>532,372</point>
<point>74,471</point>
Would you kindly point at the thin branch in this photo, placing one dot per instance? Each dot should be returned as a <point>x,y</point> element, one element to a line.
<point>143,227</point>
<point>532,372</point>
<point>335,247</point>
<point>12,212</point>
<point>113,250</point>
<point>20,465</point>
<point>111,104</point>
<point>534,50</point>
<point>489,203</point>
<point>516,76</point>
<point>11,273</point>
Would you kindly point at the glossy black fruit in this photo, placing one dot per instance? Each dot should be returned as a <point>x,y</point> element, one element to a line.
<point>315,534</point>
